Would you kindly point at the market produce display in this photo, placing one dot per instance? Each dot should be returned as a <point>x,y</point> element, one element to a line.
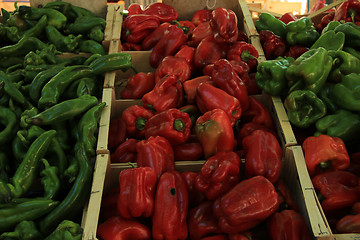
<point>318,88</point>
<point>201,103</point>
<point>50,108</point>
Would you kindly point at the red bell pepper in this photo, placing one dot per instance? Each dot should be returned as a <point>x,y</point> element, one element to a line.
<point>171,207</point>
<point>208,51</point>
<point>188,27</point>
<point>167,93</point>
<point>157,153</point>
<point>246,205</point>
<point>263,155</point>
<point>171,124</point>
<point>242,36</point>
<point>288,17</point>
<point>128,46</point>
<point>135,118</point>
<point>136,27</point>
<point>202,31</point>
<point>201,16</point>
<point>117,133</point>
<point>188,151</point>
<point>252,86</point>
<point>209,97</point>
<point>337,190</point>
<point>134,8</point>
<point>195,197</point>
<point>138,85</point>
<point>202,222</point>
<point>288,224</point>
<point>218,174</point>
<point>243,51</point>
<point>258,113</point>
<point>317,6</point>
<point>296,51</point>
<point>248,128</point>
<point>215,133</point>
<point>137,192</point>
<point>109,203</point>
<point>151,39</point>
<point>286,197</point>
<point>171,65</point>
<point>348,11</point>
<point>272,44</point>
<point>188,53</point>
<point>228,80</point>
<point>242,69</point>
<point>349,224</point>
<point>190,87</point>
<point>170,42</point>
<point>224,25</point>
<point>163,11</point>
<point>118,228</point>
<point>125,152</point>
<point>325,153</point>
<point>325,21</point>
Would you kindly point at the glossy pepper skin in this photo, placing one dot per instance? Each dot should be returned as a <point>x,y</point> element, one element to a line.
<point>344,93</point>
<point>325,40</point>
<point>138,85</point>
<point>288,17</point>
<point>191,151</point>
<point>125,152</point>
<point>348,11</point>
<point>218,175</point>
<point>172,39</point>
<point>301,32</point>
<point>188,53</point>
<point>342,123</point>
<point>171,124</point>
<point>246,205</point>
<point>164,12</point>
<point>228,80</point>
<point>62,43</point>
<point>349,223</point>
<point>137,192</point>
<point>136,27</point>
<point>258,113</point>
<point>201,31</point>
<point>288,224</point>
<point>66,229</point>
<point>310,70</point>
<point>201,16</point>
<point>263,155</point>
<point>269,22</point>
<point>208,51</point>
<point>167,93</point>
<point>352,33</point>
<point>157,153</point>
<point>117,227</point>
<point>304,108</point>
<point>325,153</point>
<point>337,189</point>
<point>117,133</point>
<point>202,221</point>
<point>171,193</point>
<point>195,197</point>
<point>296,51</point>
<point>344,63</point>
<point>23,230</point>
<point>272,44</point>
<point>214,131</point>
<point>209,97</point>
<point>224,25</point>
<point>172,65</point>
<point>243,51</point>
<point>270,75</point>
<point>152,38</point>
<point>135,118</point>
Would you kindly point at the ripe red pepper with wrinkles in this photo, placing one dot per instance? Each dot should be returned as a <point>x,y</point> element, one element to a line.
<point>135,118</point>
<point>200,16</point>
<point>273,45</point>
<point>125,152</point>
<point>138,85</point>
<point>224,25</point>
<point>195,197</point>
<point>201,31</point>
<point>164,12</point>
<point>188,53</point>
<point>190,87</point>
<point>136,27</point>
<point>208,51</point>
<point>172,65</point>
<point>258,113</point>
<point>243,51</point>
<point>151,39</point>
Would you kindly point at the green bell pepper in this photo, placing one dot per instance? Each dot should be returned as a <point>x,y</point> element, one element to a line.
<point>310,70</point>
<point>352,51</point>
<point>330,41</point>
<point>24,230</point>
<point>269,22</point>
<point>301,32</point>
<point>343,124</point>
<point>352,34</point>
<point>66,230</point>
<point>346,93</point>
<point>343,64</point>
<point>304,108</point>
<point>330,26</point>
<point>270,75</point>
<point>325,96</point>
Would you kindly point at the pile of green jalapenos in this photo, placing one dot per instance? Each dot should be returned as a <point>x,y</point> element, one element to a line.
<point>49,114</point>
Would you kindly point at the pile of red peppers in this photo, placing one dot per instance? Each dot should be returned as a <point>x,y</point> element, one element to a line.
<point>197,105</point>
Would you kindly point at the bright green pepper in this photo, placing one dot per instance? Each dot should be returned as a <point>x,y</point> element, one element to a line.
<point>84,24</point>
<point>67,230</point>
<point>330,26</point>
<point>97,34</point>
<point>24,230</point>
<point>343,64</point>
<point>346,93</point>
<point>11,89</point>
<point>29,210</point>
<point>62,43</point>
<point>304,108</point>
<point>91,46</point>
<point>330,41</point>
<point>33,59</point>
<point>37,29</point>
<point>269,22</point>
<point>112,62</point>
<point>301,32</point>
<point>310,70</point>
<point>352,34</point>
<point>50,180</point>
<point>343,124</point>
<point>270,75</point>
<point>352,51</point>
<point>22,47</point>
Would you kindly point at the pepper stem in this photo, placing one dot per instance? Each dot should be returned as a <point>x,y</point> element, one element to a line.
<point>179,125</point>
<point>246,56</point>
<point>172,191</point>
<point>325,165</point>
<point>140,123</point>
